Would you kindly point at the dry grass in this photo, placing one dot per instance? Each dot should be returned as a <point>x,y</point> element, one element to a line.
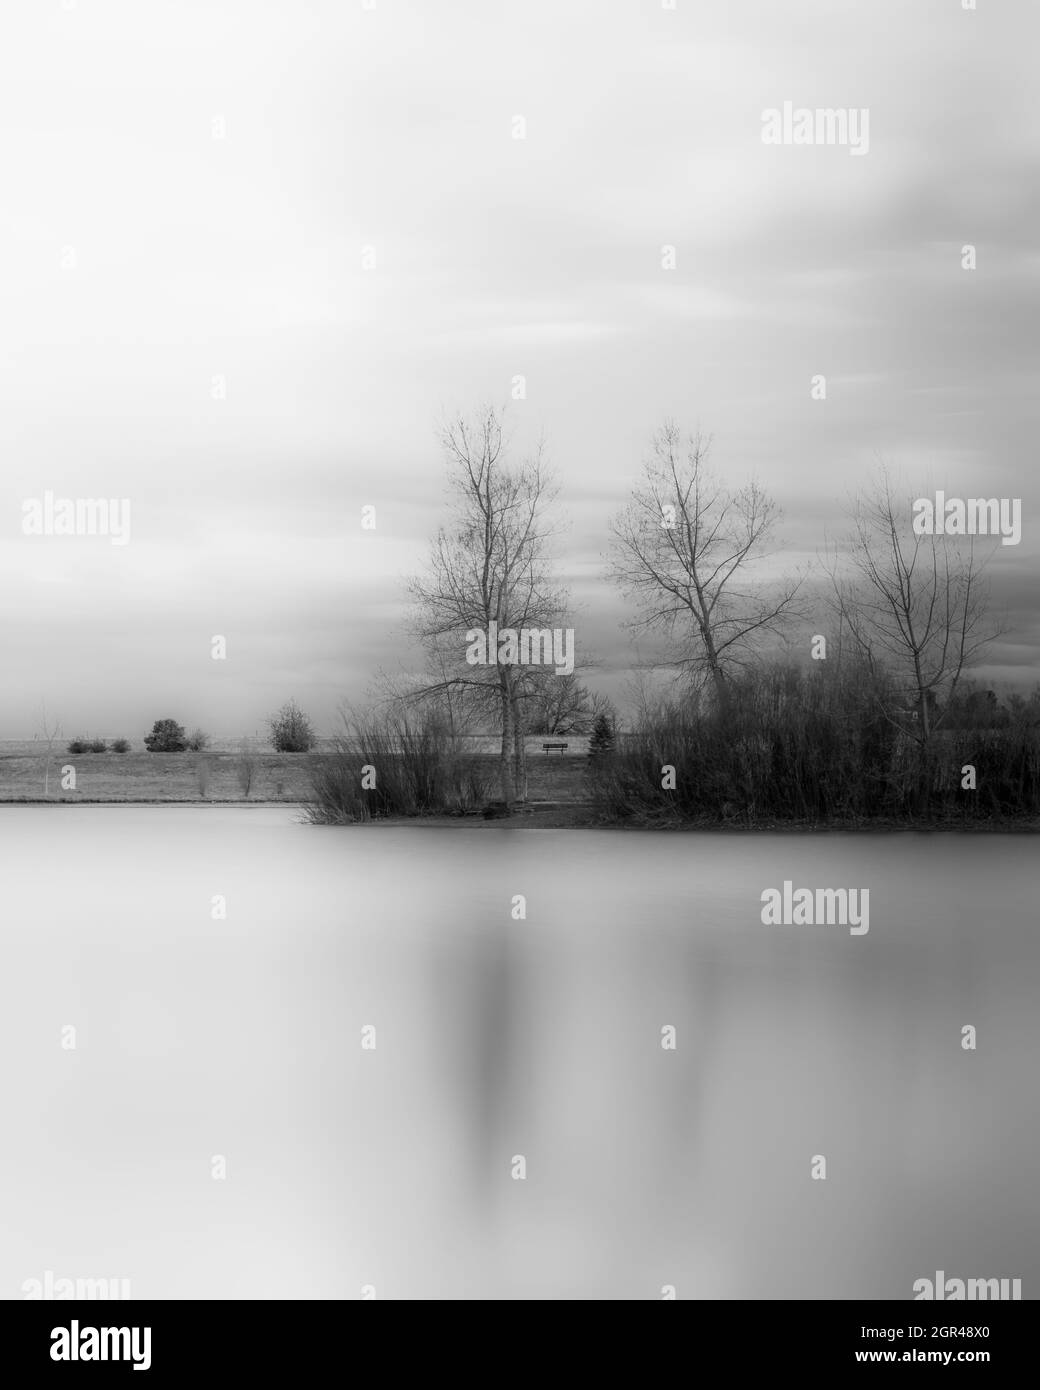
<point>152,777</point>
<point>172,777</point>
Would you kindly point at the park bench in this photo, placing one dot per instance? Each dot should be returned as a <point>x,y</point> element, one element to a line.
<point>547,746</point>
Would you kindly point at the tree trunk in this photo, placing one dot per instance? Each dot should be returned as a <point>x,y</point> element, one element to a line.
<point>925,715</point>
<point>722,701</point>
<point>508,722</point>
<point>519,756</point>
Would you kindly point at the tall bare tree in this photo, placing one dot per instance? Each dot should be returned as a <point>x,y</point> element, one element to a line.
<point>912,605</point>
<point>490,565</point>
<point>686,548</point>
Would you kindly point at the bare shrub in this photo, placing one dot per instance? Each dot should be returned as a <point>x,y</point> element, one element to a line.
<point>203,770</point>
<point>245,770</point>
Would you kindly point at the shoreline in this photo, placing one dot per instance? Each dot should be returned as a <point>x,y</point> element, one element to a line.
<point>559,816</point>
<point>522,822</point>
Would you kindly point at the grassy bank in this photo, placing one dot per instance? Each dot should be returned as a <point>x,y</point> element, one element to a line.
<point>164,778</point>
<point>155,777</point>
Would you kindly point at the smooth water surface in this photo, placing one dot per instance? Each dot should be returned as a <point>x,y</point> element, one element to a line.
<point>498,1038</point>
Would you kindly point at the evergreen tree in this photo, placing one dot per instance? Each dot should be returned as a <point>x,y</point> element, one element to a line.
<point>167,736</point>
<point>601,744</point>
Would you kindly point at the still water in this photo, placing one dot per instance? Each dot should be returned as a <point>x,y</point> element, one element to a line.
<point>205,1044</point>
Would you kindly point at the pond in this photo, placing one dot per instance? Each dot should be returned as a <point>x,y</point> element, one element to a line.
<point>523,1126</point>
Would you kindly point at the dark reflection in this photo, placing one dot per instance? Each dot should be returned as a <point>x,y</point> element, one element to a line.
<point>480,979</point>
<point>792,1044</point>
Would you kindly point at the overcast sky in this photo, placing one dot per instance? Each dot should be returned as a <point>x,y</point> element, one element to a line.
<point>188,190</point>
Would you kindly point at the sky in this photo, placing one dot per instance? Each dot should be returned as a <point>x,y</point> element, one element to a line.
<point>251,254</point>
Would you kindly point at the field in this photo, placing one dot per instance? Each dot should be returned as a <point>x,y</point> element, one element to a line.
<point>214,776</point>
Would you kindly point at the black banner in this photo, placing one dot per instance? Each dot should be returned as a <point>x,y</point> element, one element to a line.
<point>332,1340</point>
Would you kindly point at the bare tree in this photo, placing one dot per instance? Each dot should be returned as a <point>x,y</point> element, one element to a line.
<point>489,566</point>
<point>912,605</point>
<point>562,704</point>
<point>458,697</point>
<point>684,548</point>
<point>49,731</point>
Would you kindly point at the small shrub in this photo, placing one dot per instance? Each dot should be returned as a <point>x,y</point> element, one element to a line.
<point>88,745</point>
<point>120,745</point>
<point>167,736</point>
<point>291,730</point>
<point>198,740</point>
